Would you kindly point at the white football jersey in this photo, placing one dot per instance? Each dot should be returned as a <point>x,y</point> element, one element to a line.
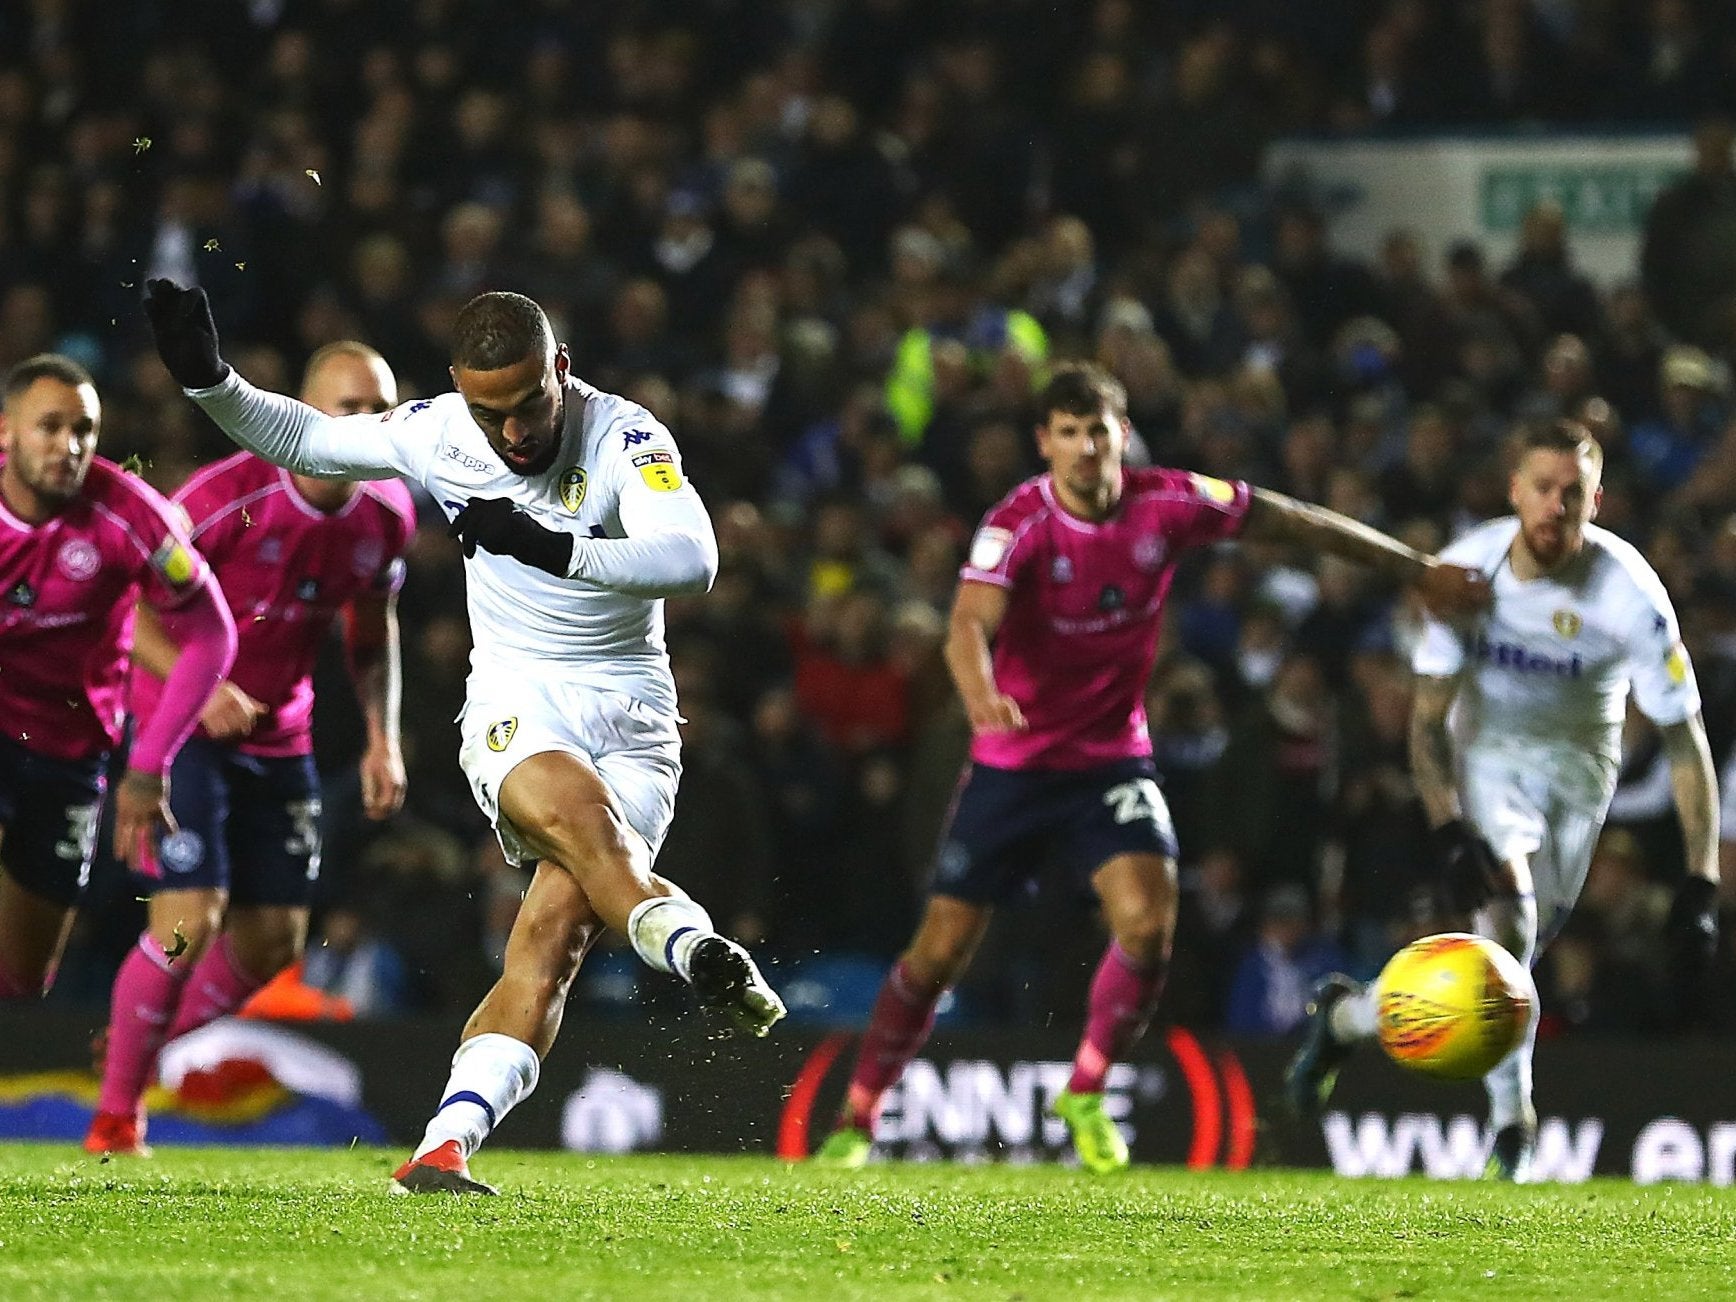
<point>1552,661</point>
<point>617,476</point>
<point>613,453</point>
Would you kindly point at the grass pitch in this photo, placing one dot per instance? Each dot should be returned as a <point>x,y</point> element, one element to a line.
<point>274,1223</point>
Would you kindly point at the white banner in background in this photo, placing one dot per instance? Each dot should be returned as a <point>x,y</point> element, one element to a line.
<point>1453,188</point>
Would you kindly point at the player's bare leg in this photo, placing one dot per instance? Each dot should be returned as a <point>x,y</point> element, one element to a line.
<point>561,810</point>
<point>1138,895</point>
<point>500,1053</point>
<point>33,932</point>
<point>947,938</point>
<point>1510,920</point>
<point>146,998</point>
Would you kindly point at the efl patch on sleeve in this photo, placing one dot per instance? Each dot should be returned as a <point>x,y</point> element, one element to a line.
<point>658,471</point>
<point>175,563</point>
<point>1214,490</point>
<point>989,547</point>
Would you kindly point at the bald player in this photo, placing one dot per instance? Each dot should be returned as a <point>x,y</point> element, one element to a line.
<point>230,886</point>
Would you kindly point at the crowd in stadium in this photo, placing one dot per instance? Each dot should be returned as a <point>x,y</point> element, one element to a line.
<point>834,247</point>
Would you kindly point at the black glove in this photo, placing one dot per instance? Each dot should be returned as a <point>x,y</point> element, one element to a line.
<point>1692,929</point>
<point>496,525</point>
<point>1470,873</point>
<point>185,333</point>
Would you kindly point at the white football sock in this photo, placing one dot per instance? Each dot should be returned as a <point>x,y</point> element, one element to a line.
<point>664,929</point>
<point>1352,1018</point>
<point>491,1074</point>
<point>1512,923</point>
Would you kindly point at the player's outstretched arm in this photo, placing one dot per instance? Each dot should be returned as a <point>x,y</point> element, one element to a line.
<point>977,612</point>
<point>277,427</point>
<point>1448,590</point>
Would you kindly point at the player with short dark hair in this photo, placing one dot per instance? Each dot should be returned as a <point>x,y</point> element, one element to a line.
<point>576,522</point>
<point>1053,636</point>
<point>81,541</point>
<point>1515,744</point>
<point>231,886</point>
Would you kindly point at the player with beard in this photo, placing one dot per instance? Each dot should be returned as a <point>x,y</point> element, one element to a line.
<point>576,522</point>
<point>81,541</point>
<point>1515,743</point>
<point>231,886</point>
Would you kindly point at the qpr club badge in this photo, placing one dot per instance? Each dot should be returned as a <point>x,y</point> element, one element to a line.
<point>78,559</point>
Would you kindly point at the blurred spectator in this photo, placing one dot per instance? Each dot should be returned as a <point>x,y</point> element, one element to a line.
<point>1688,264</point>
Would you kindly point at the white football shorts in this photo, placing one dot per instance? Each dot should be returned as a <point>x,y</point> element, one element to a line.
<point>634,746</point>
<point>1543,805</point>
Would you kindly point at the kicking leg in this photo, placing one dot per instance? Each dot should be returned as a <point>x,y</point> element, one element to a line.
<point>563,812</point>
<point>903,1016</point>
<point>500,1055</point>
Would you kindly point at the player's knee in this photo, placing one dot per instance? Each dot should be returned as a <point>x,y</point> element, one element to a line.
<point>188,934</point>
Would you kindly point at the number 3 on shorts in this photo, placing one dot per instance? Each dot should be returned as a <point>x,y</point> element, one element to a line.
<point>1133,801</point>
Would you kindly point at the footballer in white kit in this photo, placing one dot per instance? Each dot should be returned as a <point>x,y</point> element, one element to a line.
<point>1515,742</point>
<point>576,521</point>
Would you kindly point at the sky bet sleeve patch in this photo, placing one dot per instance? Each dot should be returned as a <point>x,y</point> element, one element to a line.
<point>658,471</point>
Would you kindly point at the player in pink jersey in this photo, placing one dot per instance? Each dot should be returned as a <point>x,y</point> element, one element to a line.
<point>80,542</point>
<point>231,886</point>
<point>1054,633</point>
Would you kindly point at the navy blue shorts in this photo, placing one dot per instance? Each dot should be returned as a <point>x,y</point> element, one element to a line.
<point>248,825</point>
<point>49,810</point>
<point>1008,825</point>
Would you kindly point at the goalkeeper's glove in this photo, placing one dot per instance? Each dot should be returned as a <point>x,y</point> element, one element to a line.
<point>185,334</point>
<point>496,525</point>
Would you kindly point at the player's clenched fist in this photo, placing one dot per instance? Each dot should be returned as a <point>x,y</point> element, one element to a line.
<point>230,714</point>
<point>996,713</point>
<point>496,525</point>
<point>185,334</point>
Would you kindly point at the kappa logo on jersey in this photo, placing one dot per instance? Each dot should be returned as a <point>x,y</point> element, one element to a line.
<point>989,547</point>
<point>658,471</point>
<point>499,735</point>
<point>469,462</point>
<point>420,406</point>
<point>634,437</point>
<point>1567,623</point>
<point>1061,569</point>
<point>1215,490</point>
<point>78,559</point>
<point>22,594</point>
<point>174,562</point>
<point>271,550</point>
<point>573,488</point>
